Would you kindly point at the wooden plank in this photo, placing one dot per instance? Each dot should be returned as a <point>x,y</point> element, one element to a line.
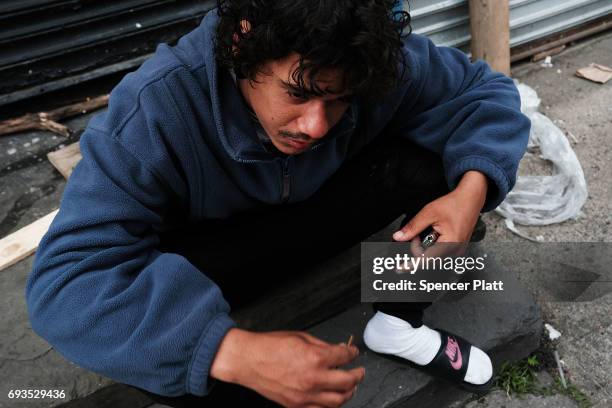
<point>490,29</point>
<point>23,242</point>
<point>587,29</point>
<point>65,159</point>
<point>550,52</point>
<point>48,120</point>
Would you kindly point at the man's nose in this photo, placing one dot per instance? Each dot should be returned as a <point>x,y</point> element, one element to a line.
<point>314,122</point>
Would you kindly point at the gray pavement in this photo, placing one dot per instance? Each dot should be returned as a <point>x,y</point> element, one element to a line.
<point>26,360</point>
<point>583,108</point>
<point>498,399</point>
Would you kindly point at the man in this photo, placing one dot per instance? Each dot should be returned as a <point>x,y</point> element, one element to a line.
<point>276,131</point>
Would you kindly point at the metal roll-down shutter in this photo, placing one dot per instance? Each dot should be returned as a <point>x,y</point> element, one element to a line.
<point>46,45</point>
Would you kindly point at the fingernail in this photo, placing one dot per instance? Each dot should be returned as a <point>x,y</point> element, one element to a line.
<point>398,235</point>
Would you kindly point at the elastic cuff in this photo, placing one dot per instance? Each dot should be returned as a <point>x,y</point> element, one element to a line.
<point>198,381</point>
<point>490,169</point>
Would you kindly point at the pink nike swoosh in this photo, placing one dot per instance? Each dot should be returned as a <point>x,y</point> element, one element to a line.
<point>453,353</point>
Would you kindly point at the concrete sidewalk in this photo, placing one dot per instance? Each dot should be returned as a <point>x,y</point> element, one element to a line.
<point>584,109</point>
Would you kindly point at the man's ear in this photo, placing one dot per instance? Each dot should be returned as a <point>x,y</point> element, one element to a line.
<point>245,27</point>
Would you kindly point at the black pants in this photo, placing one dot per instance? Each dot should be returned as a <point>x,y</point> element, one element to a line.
<point>390,178</point>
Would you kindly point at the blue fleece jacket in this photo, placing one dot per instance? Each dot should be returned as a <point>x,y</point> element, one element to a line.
<point>177,139</point>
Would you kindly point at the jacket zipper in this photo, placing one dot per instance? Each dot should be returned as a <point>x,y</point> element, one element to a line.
<point>286,181</point>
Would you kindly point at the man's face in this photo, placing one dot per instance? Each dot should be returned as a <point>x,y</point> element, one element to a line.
<point>292,120</point>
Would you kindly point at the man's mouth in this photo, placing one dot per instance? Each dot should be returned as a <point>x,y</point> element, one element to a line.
<point>297,143</point>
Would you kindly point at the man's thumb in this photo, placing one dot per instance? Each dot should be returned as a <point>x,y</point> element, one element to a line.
<point>417,224</point>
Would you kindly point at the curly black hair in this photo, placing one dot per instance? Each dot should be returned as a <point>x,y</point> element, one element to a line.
<point>363,38</point>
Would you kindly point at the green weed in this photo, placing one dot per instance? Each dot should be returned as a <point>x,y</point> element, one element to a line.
<point>520,378</point>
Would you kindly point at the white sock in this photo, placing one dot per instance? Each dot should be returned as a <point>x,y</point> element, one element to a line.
<point>391,335</point>
<point>480,369</point>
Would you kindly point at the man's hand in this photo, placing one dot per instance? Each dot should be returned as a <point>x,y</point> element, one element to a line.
<point>453,215</point>
<point>294,369</point>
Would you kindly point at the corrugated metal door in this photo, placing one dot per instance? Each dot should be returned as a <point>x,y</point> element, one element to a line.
<point>44,43</point>
<point>447,23</point>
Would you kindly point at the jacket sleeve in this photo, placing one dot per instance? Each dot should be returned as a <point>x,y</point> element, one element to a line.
<point>465,112</point>
<point>102,294</point>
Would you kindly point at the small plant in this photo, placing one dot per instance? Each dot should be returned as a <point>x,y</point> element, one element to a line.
<point>519,377</point>
<point>574,393</point>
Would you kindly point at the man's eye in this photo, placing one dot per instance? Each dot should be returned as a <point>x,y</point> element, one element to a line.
<point>297,95</point>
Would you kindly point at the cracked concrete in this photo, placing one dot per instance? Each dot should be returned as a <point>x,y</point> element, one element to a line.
<point>498,399</point>
<point>26,360</point>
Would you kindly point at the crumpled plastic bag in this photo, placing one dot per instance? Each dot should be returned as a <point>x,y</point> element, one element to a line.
<point>546,199</point>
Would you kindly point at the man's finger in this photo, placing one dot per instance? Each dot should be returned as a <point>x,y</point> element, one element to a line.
<point>341,380</point>
<point>338,355</point>
<point>418,223</point>
<point>416,250</point>
<point>443,248</point>
<point>332,399</point>
<point>454,245</point>
<point>312,339</point>
<point>438,250</point>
